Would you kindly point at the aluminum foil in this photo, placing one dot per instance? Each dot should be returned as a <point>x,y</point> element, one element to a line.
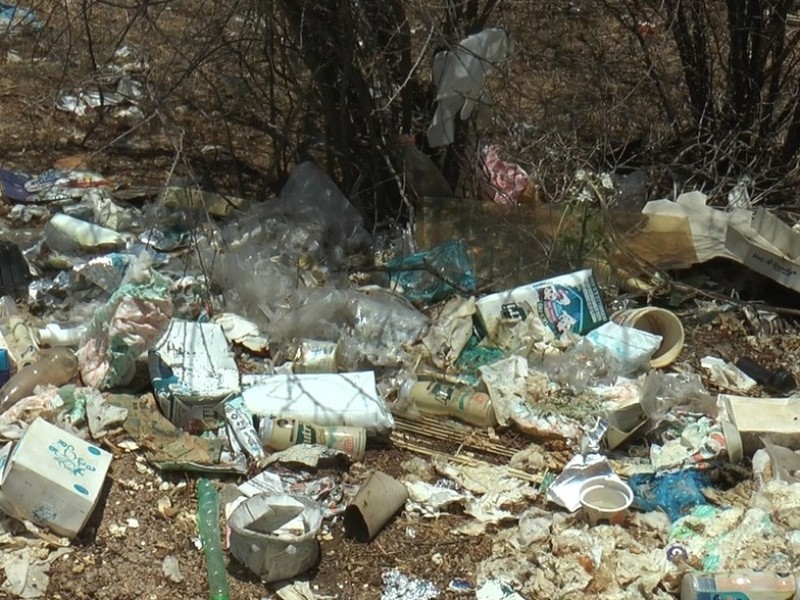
<point>397,586</point>
<point>566,489</point>
<point>593,439</point>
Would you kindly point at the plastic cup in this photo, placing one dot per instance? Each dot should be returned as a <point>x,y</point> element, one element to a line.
<point>377,501</point>
<point>660,322</point>
<point>606,500</point>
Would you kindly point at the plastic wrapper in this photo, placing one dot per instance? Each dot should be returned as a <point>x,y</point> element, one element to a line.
<point>121,330</point>
<point>82,102</point>
<point>727,375</point>
<point>434,274</point>
<point>675,493</point>
<point>382,324</point>
<point>724,539</point>
<point>450,331</point>
<point>273,257</point>
<point>508,180</point>
<point>582,366</point>
<point>61,184</point>
<point>349,399</point>
<point>700,442</point>
<point>661,392</point>
<point>106,272</point>
<point>240,426</point>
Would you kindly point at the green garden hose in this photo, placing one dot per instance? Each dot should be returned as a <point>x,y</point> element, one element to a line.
<point>208,525</point>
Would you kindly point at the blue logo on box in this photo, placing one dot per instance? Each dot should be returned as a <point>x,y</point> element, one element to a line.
<point>64,454</point>
<point>44,514</point>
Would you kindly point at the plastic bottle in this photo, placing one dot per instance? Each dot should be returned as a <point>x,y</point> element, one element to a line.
<point>208,526</point>
<point>66,234</point>
<point>17,334</point>
<point>54,335</point>
<point>279,434</point>
<point>740,585</point>
<point>781,380</point>
<point>460,402</point>
<point>56,366</point>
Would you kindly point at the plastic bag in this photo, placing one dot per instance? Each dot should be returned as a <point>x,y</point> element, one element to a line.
<point>121,330</point>
<point>435,274</point>
<point>675,493</point>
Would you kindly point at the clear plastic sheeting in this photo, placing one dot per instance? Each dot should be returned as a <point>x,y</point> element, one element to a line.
<point>283,257</point>
<point>398,586</point>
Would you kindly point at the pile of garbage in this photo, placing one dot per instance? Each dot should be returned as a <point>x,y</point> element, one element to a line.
<point>222,336</point>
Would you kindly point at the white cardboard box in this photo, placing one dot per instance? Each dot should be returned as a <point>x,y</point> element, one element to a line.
<point>566,302</point>
<point>775,419</point>
<point>768,246</point>
<point>52,478</point>
<point>204,372</point>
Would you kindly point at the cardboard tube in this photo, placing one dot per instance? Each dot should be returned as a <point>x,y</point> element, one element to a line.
<point>377,501</point>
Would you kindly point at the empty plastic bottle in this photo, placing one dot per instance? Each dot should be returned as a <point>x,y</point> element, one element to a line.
<point>740,585</point>
<point>56,366</point>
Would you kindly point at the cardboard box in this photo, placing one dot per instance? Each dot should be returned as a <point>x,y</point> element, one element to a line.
<point>621,407</point>
<point>775,419</point>
<point>567,302</point>
<point>52,478</point>
<point>193,373</point>
<point>768,246</point>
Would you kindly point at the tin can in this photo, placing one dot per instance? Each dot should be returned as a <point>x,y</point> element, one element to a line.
<point>279,434</point>
<point>461,402</point>
<point>315,356</point>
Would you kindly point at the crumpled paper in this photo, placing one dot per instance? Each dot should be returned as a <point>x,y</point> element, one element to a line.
<point>572,563</point>
<point>450,331</point>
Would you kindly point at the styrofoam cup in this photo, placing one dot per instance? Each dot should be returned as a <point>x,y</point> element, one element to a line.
<point>606,500</point>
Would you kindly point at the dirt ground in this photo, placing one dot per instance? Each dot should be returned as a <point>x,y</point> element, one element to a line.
<point>145,516</point>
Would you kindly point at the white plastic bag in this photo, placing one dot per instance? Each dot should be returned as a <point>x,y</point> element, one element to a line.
<point>321,398</point>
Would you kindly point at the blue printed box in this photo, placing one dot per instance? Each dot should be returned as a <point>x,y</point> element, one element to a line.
<point>570,302</point>
<point>52,478</point>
